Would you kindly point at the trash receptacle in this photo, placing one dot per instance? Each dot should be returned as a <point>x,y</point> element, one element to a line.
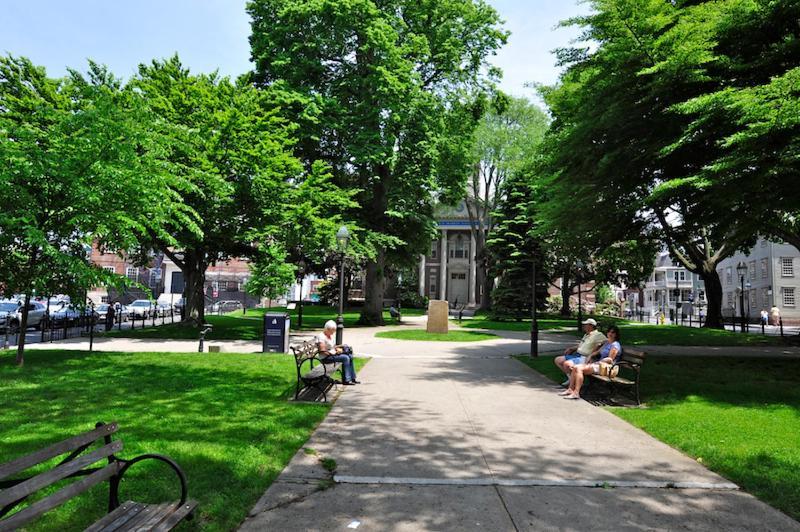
<point>276,333</point>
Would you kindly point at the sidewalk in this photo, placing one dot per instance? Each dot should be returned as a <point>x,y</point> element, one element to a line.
<point>461,437</point>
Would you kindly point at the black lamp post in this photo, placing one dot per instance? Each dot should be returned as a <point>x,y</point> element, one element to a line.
<point>741,269</point>
<point>677,297</point>
<point>342,239</point>
<point>747,285</point>
<point>534,324</point>
<point>579,273</point>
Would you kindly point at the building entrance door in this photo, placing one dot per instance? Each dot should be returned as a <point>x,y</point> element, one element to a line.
<point>457,288</point>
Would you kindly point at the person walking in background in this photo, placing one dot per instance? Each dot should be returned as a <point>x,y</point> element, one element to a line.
<point>775,312</point>
<point>110,314</point>
<point>764,316</point>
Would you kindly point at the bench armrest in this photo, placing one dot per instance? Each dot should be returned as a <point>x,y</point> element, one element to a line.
<point>128,463</point>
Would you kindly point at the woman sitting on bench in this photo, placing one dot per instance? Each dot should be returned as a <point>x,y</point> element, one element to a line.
<point>330,352</point>
<point>608,353</point>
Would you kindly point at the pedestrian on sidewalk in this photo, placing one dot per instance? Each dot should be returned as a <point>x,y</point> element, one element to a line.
<point>764,316</point>
<point>330,352</point>
<point>574,356</point>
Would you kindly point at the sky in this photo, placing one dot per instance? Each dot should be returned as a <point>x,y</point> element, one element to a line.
<point>213,35</point>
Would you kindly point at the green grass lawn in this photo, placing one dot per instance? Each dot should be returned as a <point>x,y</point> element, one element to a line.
<point>545,322</point>
<point>224,418</point>
<point>248,326</point>
<point>677,335</point>
<point>739,416</point>
<point>421,335</point>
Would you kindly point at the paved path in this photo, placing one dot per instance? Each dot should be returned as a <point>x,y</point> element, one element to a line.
<point>444,436</point>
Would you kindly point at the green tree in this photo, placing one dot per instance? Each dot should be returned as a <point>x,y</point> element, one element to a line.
<point>750,116</point>
<point>506,139</point>
<point>230,142</point>
<point>79,166</point>
<point>386,78</point>
<point>513,249</point>
<point>615,171</point>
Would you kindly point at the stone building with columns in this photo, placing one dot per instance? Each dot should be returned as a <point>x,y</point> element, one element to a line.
<point>448,271</point>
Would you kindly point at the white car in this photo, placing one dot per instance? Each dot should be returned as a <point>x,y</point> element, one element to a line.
<point>141,308</point>
<point>11,314</point>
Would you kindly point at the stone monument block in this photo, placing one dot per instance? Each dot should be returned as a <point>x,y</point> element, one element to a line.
<point>438,315</point>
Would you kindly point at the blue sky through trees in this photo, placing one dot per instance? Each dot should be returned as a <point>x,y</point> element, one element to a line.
<point>211,34</point>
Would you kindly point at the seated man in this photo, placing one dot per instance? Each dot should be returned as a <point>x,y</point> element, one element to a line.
<point>330,352</point>
<point>573,356</point>
<point>609,353</point>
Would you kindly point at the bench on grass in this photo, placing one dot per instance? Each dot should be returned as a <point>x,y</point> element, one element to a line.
<point>81,463</point>
<point>630,367</point>
<point>319,377</point>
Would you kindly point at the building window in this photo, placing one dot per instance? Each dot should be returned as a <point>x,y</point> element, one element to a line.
<point>728,275</point>
<point>764,268</point>
<point>458,276</point>
<point>788,297</point>
<point>432,286</point>
<point>155,277</point>
<point>765,298</point>
<point>787,267</point>
<point>434,249</point>
<point>751,270</point>
<point>752,297</point>
<point>730,299</point>
<point>110,269</point>
<point>701,295</point>
<point>132,273</point>
<point>459,249</point>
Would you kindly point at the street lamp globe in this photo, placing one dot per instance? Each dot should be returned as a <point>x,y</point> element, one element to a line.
<point>343,238</point>
<point>741,268</point>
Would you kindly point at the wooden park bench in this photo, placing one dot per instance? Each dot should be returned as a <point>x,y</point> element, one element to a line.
<point>81,464</point>
<point>319,377</point>
<point>630,367</point>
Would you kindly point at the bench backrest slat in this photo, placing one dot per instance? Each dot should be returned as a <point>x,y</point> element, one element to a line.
<point>70,444</point>
<point>58,498</point>
<point>23,489</point>
<point>633,356</point>
<point>306,351</point>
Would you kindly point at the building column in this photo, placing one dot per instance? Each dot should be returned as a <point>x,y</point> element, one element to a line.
<point>443,266</point>
<point>473,269</point>
<point>422,275</point>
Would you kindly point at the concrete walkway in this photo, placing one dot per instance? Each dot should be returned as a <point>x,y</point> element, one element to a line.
<point>444,436</point>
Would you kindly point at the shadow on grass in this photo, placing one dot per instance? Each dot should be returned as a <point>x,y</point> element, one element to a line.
<point>223,418</point>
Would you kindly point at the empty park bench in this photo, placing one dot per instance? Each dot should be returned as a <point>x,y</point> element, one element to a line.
<point>78,465</point>
<point>630,367</point>
<point>319,377</point>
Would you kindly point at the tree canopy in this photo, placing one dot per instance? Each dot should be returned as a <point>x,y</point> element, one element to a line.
<point>385,77</point>
<point>78,165</point>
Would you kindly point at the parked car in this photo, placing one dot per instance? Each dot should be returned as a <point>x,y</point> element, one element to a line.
<point>11,314</point>
<point>163,309</point>
<point>226,306</point>
<point>141,308</point>
<point>71,315</point>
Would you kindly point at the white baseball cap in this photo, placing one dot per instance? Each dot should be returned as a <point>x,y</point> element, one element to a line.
<point>590,321</point>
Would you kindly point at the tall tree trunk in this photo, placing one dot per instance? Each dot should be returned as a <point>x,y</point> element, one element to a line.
<point>194,305</point>
<point>374,286</point>
<point>711,278</point>
<point>566,291</point>
<point>23,327</point>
